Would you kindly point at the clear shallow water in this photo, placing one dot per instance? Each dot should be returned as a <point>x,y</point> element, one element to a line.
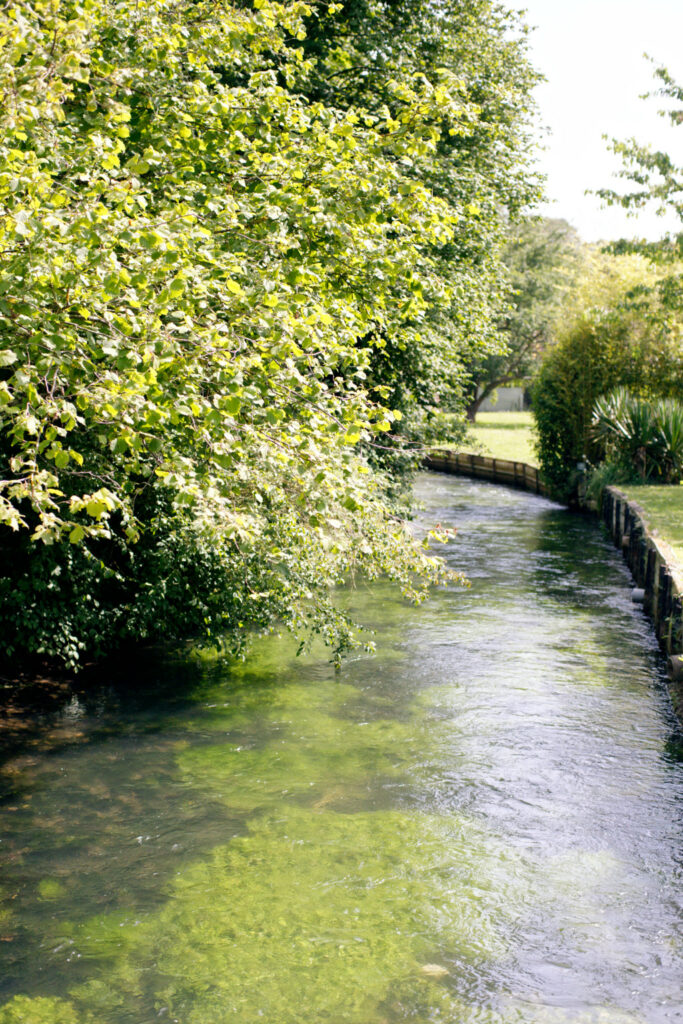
<point>481,824</point>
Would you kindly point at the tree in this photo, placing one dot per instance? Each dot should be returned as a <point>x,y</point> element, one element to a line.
<point>623,343</point>
<point>202,261</point>
<point>658,181</point>
<point>475,53</point>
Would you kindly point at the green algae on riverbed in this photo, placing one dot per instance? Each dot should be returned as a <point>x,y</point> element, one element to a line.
<point>338,914</point>
<point>412,1001</point>
<point>477,826</point>
<point>317,759</point>
<point>42,1010</point>
<point>334,914</point>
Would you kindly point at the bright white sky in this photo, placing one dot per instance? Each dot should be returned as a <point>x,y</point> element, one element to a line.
<point>591,53</point>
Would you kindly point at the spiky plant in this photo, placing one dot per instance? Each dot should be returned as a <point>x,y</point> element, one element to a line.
<point>669,414</point>
<point>642,435</point>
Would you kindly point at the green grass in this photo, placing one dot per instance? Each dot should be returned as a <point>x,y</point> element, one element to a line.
<point>663,507</point>
<point>505,435</point>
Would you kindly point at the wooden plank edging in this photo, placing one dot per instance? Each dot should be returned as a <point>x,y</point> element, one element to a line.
<point>484,467</point>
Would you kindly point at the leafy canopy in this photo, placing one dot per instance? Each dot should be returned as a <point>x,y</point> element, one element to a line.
<point>542,258</point>
<point>656,180</point>
<point>205,254</point>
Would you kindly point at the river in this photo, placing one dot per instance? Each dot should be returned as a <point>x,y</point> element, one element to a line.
<point>480,824</point>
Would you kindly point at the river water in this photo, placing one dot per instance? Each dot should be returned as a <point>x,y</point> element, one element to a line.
<point>481,824</point>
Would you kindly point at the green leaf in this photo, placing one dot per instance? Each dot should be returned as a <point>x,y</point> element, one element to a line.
<point>96,508</point>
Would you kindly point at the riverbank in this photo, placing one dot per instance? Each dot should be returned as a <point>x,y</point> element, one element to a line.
<point>510,436</point>
<point>482,467</point>
<point>663,512</point>
<point>658,576</point>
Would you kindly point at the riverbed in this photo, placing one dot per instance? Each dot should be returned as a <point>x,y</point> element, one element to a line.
<point>481,823</point>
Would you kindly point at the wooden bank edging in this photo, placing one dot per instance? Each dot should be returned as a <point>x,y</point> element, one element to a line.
<point>500,471</point>
<point>659,582</point>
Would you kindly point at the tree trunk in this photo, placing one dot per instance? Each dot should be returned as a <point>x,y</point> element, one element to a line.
<point>473,408</point>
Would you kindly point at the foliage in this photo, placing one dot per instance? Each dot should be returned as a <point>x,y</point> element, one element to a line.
<point>542,259</point>
<point>217,283</point>
<point>554,279</point>
<point>655,175</point>
<point>364,48</point>
<point>41,1010</point>
<point>603,281</point>
<point>657,180</point>
<point>604,475</point>
<point>628,343</point>
<point>644,436</point>
<point>624,428</point>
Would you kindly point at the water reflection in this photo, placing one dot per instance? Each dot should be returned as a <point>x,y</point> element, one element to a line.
<point>480,824</point>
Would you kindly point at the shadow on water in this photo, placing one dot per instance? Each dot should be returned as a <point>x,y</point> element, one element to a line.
<point>479,825</point>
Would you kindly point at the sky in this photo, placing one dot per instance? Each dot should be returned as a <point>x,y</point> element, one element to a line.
<point>591,53</point>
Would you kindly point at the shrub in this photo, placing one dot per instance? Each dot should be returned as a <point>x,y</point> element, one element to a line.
<point>600,352</point>
<point>644,437</point>
<point>605,475</point>
<point>670,438</point>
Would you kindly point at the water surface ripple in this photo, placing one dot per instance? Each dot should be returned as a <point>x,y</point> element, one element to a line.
<point>481,824</point>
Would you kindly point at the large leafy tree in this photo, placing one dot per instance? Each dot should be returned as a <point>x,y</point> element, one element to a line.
<point>614,333</point>
<point>203,256</point>
<point>624,324</point>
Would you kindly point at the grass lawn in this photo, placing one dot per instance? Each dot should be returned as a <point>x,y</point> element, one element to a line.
<point>504,435</point>
<point>663,507</point>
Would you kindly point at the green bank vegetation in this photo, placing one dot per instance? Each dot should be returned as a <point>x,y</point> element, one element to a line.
<point>607,392</point>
